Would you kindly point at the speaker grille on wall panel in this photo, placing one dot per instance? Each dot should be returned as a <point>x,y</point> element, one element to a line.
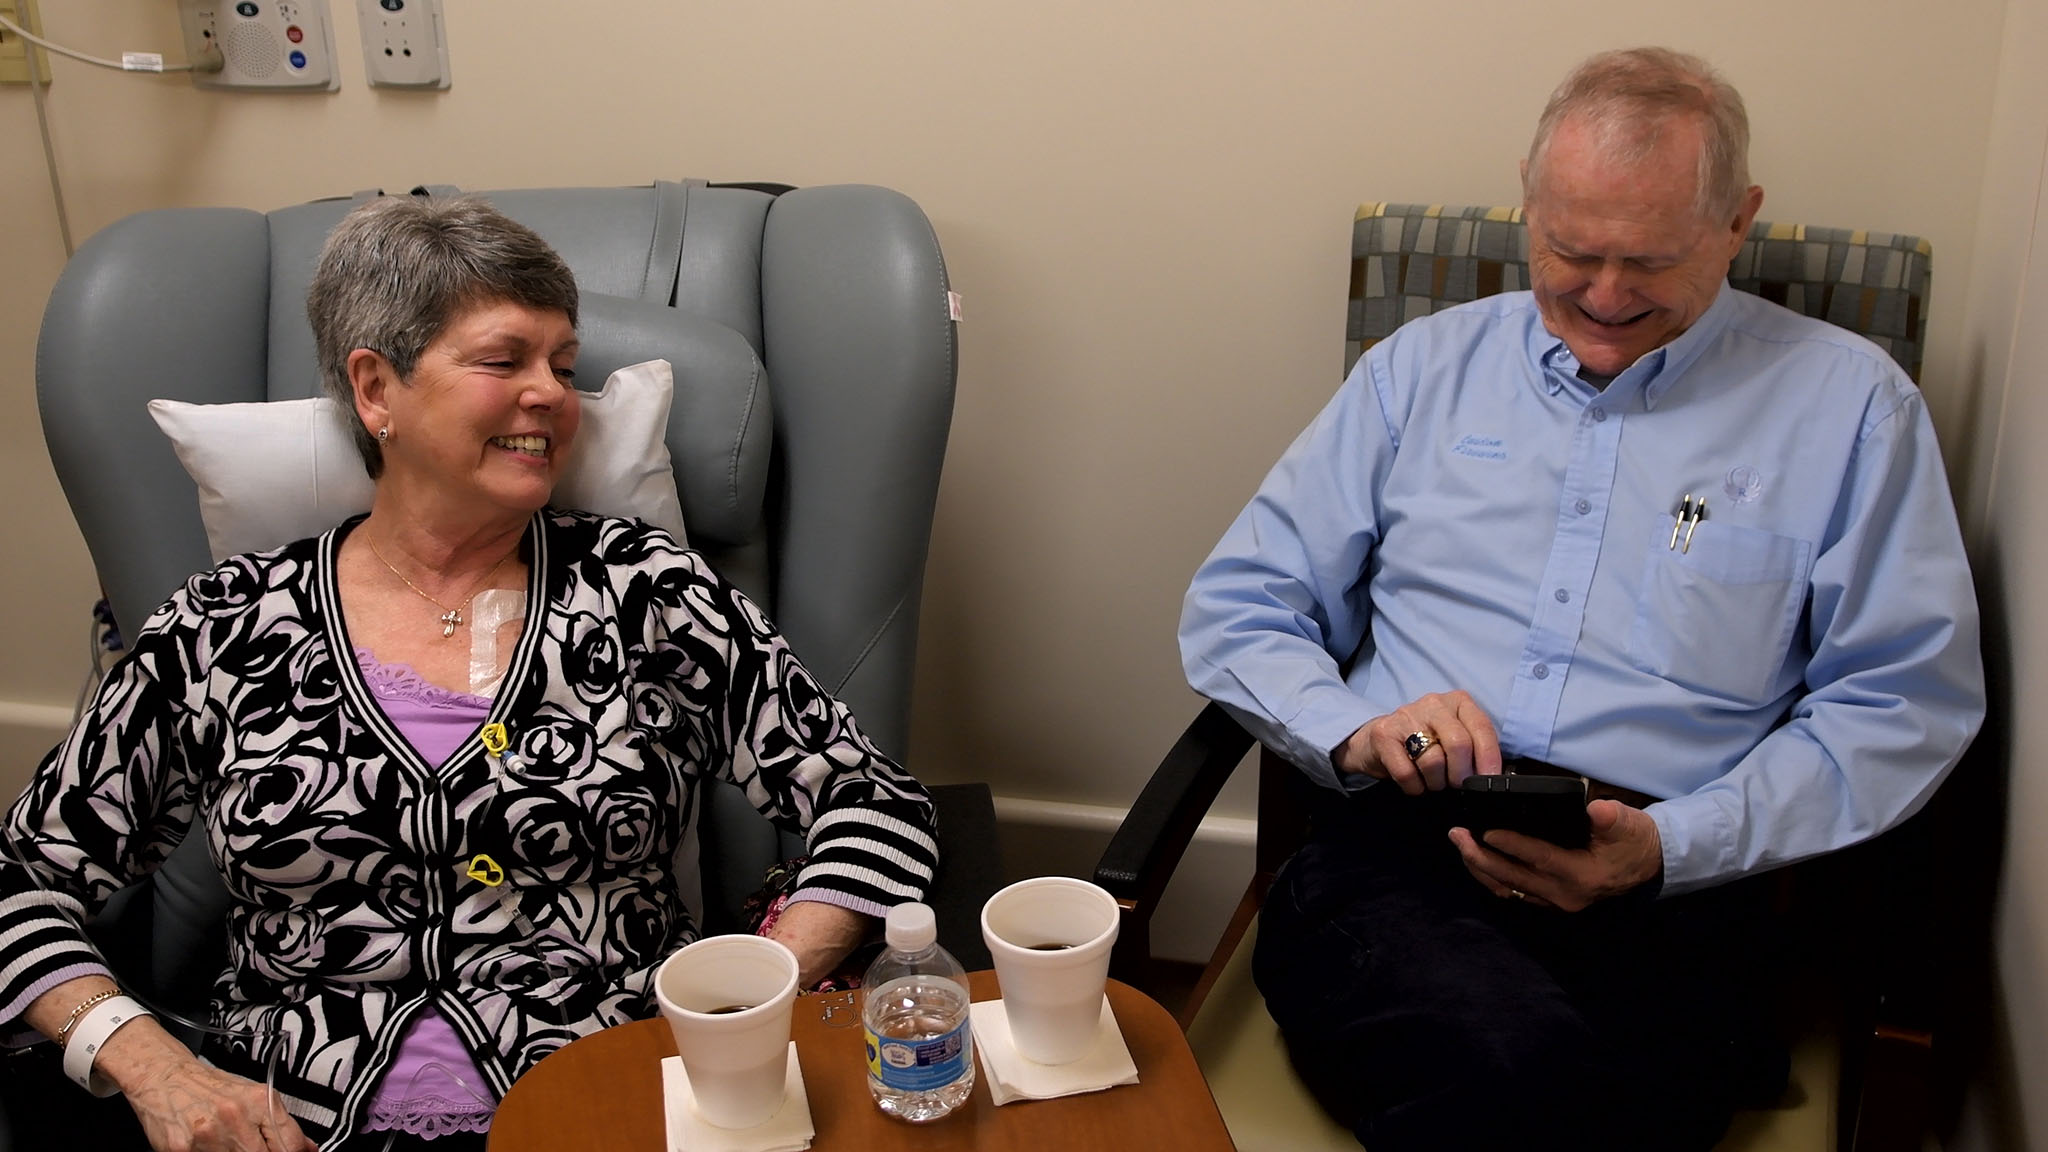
<point>251,49</point>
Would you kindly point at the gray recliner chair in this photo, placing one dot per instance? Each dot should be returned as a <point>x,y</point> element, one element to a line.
<point>811,485</point>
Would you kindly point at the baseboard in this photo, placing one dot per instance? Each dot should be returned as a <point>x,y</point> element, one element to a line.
<point>1049,838</point>
<point>27,733</point>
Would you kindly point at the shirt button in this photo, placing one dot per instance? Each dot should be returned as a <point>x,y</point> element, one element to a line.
<point>1583,506</point>
<point>1563,597</point>
<point>1599,415</point>
<point>1541,671</point>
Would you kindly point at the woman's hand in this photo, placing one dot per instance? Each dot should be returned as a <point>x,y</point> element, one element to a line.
<point>184,1104</point>
<point>820,934</point>
<point>187,1106</point>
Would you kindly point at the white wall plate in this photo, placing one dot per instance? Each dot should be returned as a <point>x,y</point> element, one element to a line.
<point>275,45</point>
<point>405,43</point>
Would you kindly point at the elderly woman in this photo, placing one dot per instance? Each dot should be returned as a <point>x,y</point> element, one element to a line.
<point>444,753</point>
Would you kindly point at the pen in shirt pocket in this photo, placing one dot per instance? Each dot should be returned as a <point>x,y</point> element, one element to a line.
<point>1690,513</point>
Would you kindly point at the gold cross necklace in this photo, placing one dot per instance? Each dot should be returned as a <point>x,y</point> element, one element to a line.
<point>450,617</point>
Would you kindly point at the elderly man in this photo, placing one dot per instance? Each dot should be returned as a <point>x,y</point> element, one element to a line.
<point>1632,523</point>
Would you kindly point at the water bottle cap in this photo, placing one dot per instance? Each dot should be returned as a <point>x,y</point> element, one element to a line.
<point>911,927</point>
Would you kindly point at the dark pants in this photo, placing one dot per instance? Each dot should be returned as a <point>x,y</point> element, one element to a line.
<point>1426,1013</point>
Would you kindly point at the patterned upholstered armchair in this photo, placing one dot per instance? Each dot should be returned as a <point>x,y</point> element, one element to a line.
<point>1860,1064</point>
<point>1408,260</point>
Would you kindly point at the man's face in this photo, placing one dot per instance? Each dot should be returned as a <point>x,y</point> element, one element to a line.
<point>1620,260</point>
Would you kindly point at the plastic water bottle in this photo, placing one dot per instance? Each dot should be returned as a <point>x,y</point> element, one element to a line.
<point>919,1047</point>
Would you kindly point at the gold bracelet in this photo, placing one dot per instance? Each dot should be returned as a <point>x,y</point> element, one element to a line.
<point>79,1011</point>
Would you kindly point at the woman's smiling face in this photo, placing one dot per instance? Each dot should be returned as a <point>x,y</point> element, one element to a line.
<point>490,412</point>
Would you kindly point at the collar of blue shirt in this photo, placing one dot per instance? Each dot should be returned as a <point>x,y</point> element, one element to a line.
<point>1652,375</point>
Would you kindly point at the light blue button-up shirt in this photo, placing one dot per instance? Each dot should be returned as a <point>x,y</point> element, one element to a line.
<point>1467,513</point>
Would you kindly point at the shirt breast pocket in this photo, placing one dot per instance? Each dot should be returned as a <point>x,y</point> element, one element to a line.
<point>1718,617</point>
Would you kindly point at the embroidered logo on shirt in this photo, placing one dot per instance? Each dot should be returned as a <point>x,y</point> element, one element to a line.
<point>1482,447</point>
<point>1744,484</point>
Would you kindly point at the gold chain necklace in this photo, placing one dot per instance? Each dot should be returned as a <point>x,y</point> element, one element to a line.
<point>450,617</point>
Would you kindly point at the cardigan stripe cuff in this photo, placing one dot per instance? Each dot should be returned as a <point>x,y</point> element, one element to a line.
<point>12,1009</point>
<point>846,900</point>
<point>874,823</point>
<point>853,879</point>
<point>28,970</point>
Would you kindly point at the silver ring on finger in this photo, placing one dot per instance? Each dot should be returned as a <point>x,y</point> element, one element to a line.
<point>1517,894</point>
<point>1418,743</point>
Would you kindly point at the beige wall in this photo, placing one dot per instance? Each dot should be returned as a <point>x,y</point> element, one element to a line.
<point>1147,206</point>
<point>2005,349</point>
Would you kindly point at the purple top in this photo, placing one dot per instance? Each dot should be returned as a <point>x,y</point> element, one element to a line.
<point>433,1087</point>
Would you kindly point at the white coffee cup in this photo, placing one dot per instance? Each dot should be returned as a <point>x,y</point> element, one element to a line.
<point>728,999</point>
<point>1050,938</point>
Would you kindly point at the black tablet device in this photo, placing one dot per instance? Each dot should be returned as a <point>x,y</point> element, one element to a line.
<point>1549,808</point>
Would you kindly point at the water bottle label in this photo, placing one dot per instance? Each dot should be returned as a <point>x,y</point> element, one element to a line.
<point>920,1065</point>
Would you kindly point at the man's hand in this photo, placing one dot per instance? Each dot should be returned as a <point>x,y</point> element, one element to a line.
<point>1464,743</point>
<point>1625,853</point>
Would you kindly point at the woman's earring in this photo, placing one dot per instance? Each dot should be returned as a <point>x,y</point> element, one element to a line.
<point>384,435</point>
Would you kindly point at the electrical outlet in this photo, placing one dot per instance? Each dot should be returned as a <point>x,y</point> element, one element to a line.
<point>14,50</point>
<point>404,45</point>
<point>267,45</point>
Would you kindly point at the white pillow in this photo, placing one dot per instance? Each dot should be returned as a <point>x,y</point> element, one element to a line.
<point>272,473</point>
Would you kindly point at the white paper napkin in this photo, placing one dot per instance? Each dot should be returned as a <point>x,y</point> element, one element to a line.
<point>789,1130</point>
<point>1012,1077</point>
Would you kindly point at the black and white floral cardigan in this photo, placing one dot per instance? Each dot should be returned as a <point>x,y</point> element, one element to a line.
<point>639,673</point>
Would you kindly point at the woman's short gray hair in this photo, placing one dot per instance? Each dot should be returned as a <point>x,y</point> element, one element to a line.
<point>397,270</point>
<point>1628,97</point>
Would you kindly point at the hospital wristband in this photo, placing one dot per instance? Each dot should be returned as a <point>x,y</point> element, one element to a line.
<point>90,1035</point>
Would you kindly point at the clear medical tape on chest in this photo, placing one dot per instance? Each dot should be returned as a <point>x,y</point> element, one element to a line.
<point>273,1103</point>
<point>490,610</point>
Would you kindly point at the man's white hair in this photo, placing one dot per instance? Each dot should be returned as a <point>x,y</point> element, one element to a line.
<point>1629,98</point>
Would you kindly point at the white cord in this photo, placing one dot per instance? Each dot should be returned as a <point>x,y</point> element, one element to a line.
<point>35,87</point>
<point>129,61</point>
